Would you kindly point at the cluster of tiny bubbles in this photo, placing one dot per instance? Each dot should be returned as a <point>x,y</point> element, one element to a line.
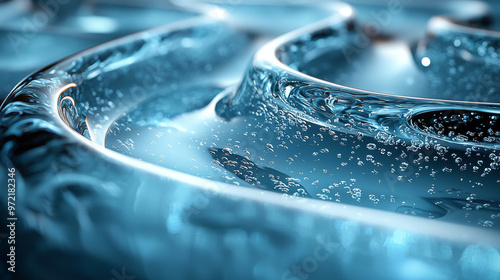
<point>284,134</point>
<point>343,149</point>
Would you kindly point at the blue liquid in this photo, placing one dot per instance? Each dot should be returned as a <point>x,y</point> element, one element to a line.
<point>287,157</point>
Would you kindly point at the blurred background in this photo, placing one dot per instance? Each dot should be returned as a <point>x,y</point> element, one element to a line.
<point>35,34</point>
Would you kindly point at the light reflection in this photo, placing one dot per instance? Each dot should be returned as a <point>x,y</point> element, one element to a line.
<point>426,61</point>
<point>268,216</point>
<point>219,13</point>
<point>97,24</point>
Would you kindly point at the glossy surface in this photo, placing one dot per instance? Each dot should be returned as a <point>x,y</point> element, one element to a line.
<point>326,160</point>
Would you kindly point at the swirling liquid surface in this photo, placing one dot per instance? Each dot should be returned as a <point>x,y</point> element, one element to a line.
<point>282,133</point>
<point>249,137</point>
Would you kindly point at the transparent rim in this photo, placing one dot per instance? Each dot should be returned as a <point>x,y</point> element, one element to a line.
<point>268,54</point>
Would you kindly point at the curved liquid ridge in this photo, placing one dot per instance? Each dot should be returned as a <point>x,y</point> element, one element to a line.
<point>185,171</point>
<point>414,147</point>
